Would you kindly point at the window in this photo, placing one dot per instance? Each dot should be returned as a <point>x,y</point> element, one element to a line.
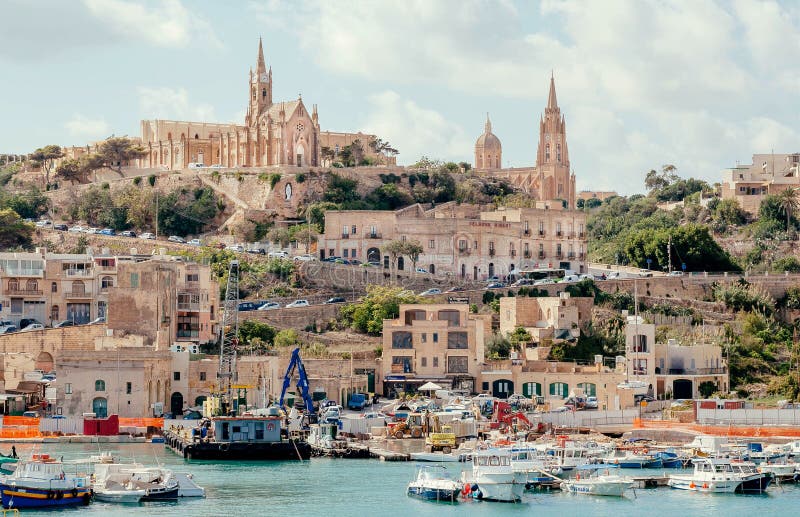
<point>99,385</point>
<point>424,362</point>
<point>128,388</point>
<point>462,245</point>
<point>53,287</point>
<point>558,153</point>
<point>435,362</point>
<point>176,376</point>
<point>403,238</point>
<point>457,340</point>
<point>401,340</point>
<point>415,315</point>
<point>458,364</point>
<point>640,366</point>
<point>402,364</point>
<point>68,388</point>
<point>547,152</point>
<point>353,253</point>
<point>134,280</point>
<point>484,386</point>
<point>353,230</point>
<point>639,343</point>
<point>345,252</point>
<point>193,277</point>
<point>106,282</point>
<point>424,337</point>
<point>589,388</point>
<point>453,318</point>
<point>559,389</point>
<point>202,376</point>
<point>345,230</point>
<point>435,337</point>
<point>432,243</point>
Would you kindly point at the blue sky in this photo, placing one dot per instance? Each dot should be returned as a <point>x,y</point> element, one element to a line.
<point>699,84</point>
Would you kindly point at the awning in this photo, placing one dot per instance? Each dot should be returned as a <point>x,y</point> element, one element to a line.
<point>429,386</point>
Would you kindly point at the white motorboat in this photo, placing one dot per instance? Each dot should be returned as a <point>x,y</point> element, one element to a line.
<point>719,475</point>
<point>113,492</point>
<point>493,478</point>
<point>113,478</point>
<point>187,487</point>
<point>782,471</point>
<point>434,457</point>
<point>433,483</point>
<point>603,482</point>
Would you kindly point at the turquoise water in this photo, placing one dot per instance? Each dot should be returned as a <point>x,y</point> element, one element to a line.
<point>368,488</point>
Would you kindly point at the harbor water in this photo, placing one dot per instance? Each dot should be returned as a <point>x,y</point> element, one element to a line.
<point>375,488</point>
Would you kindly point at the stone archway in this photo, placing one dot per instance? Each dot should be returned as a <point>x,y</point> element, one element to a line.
<point>44,362</point>
<point>373,255</point>
<point>100,407</point>
<point>300,155</point>
<point>682,389</point>
<point>176,404</point>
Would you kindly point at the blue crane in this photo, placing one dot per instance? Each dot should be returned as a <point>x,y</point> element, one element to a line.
<point>302,381</point>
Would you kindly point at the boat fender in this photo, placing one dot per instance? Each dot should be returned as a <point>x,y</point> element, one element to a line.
<point>87,498</point>
<point>466,490</point>
<point>51,494</point>
<point>705,485</point>
<point>74,492</point>
<point>474,488</point>
<point>692,485</point>
<point>59,495</point>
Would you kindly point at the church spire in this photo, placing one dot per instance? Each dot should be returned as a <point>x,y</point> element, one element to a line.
<point>552,103</point>
<point>488,127</point>
<point>260,66</point>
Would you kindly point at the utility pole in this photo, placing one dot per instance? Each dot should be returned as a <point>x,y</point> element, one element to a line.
<point>669,254</point>
<point>156,214</point>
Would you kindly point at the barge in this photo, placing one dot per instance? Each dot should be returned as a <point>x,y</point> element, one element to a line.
<point>237,438</point>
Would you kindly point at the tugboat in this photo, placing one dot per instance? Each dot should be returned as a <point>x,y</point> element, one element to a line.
<point>41,482</point>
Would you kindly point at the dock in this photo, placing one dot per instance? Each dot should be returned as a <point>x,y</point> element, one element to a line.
<point>385,455</point>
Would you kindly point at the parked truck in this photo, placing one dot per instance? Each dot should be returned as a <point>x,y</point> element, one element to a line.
<point>357,401</point>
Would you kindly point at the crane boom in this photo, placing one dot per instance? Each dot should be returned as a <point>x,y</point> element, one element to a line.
<point>227,373</point>
<point>302,381</point>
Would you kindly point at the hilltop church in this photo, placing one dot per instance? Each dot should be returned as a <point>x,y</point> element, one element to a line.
<point>282,133</point>
<point>551,177</point>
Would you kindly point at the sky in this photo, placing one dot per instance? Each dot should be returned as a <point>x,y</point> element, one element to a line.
<point>700,84</point>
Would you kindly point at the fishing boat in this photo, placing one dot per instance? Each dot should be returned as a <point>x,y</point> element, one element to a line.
<point>433,483</point>
<point>434,457</point>
<point>633,460</point>
<point>780,471</point>
<point>8,462</point>
<point>128,483</point>
<point>603,482</point>
<point>718,475</point>
<point>669,460</point>
<point>42,482</point>
<point>493,478</point>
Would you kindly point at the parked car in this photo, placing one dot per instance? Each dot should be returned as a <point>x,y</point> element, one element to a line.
<point>175,238</point>
<point>570,279</point>
<point>355,262</point>
<point>614,275</point>
<point>331,259</point>
<point>65,323</point>
<point>591,402</point>
<point>304,258</point>
<point>77,229</point>
<point>675,273</point>
<point>277,254</point>
<point>455,289</point>
<point>375,415</point>
<point>128,233</point>
<point>24,322</point>
<point>249,306</point>
<point>269,306</point>
<point>195,242</point>
<point>215,166</point>
<point>238,248</point>
<point>43,223</point>
<point>8,329</point>
<point>522,282</point>
<point>107,231</point>
<point>482,398</point>
<point>374,263</point>
<point>430,292</point>
<point>421,270</point>
<point>545,281</point>
<point>92,231</point>
<point>101,319</point>
<point>496,285</point>
<point>516,398</point>
<point>61,227</point>
<point>257,251</point>
<point>197,166</point>
<point>298,303</point>
<point>32,327</point>
<point>147,236</point>
<point>335,299</point>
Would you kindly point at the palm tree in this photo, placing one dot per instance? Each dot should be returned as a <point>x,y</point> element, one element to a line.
<point>789,202</point>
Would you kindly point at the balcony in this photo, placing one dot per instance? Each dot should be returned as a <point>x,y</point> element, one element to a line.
<point>581,235</point>
<point>373,235</point>
<point>559,255</point>
<point>581,256</point>
<point>189,306</point>
<point>182,335</point>
<point>345,236</point>
<point>463,251</point>
<point>21,291</point>
<point>571,256</point>
<point>491,252</point>
<point>78,293</point>
<point>400,368</point>
<point>526,254</point>
<point>542,233</point>
<point>513,253</point>
<point>106,268</point>
<point>78,272</point>
<point>559,233</point>
<point>526,231</point>
<point>15,271</point>
<point>697,371</point>
<point>542,255</point>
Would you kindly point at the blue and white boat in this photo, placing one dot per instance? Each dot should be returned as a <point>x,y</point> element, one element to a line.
<point>598,480</point>
<point>434,484</point>
<point>41,482</point>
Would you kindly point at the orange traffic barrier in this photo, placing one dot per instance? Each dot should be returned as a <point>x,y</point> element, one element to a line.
<point>141,422</point>
<point>745,431</point>
<point>20,420</point>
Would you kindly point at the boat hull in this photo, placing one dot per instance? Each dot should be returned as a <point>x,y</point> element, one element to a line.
<point>27,497</point>
<point>610,488</point>
<point>753,484</point>
<point>286,450</point>
<point>166,494</point>
<point>434,494</point>
<point>119,496</point>
<point>434,457</point>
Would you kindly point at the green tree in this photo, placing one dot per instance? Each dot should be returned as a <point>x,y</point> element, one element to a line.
<point>413,249</point>
<point>789,201</point>
<point>497,347</point>
<point>691,243</point>
<point>394,249</point>
<point>46,156</point>
<point>707,388</point>
<point>117,150</point>
<point>287,338</point>
<point>14,232</point>
<point>340,190</point>
<point>728,212</point>
<point>252,329</point>
<point>183,212</point>
<point>380,303</point>
<point>519,337</point>
<point>315,213</point>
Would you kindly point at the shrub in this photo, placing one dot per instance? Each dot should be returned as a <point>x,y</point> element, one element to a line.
<point>137,180</point>
<point>152,180</point>
<point>300,178</point>
<point>274,179</point>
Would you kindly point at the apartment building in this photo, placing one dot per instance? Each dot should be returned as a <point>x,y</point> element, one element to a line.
<point>548,319</point>
<point>463,240</point>
<point>442,343</point>
<point>768,174</point>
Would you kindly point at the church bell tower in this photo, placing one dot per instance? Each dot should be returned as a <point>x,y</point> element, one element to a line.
<point>260,89</point>
<point>552,156</point>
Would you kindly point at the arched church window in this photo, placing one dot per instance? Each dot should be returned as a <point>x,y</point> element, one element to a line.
<point>169,136</point>
<point>254,94</point>
<point>558,152</point>
<point>264,93</point>
<point>196,136</point>
<point>547,152</point>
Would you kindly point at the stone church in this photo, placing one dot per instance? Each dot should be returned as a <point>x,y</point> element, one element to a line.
<point>551,177</point>
<point>277,134</point>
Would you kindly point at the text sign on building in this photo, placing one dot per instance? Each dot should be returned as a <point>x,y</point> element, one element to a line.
<point>458,299</point>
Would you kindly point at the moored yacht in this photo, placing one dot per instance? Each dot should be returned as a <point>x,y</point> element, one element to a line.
<point>721,476</point>
<point>493,478</point>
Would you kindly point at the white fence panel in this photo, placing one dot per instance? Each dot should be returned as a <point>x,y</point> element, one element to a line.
<point>70,425</point>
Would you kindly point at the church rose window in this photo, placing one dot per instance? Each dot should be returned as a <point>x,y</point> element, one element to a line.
<point>300,127</point>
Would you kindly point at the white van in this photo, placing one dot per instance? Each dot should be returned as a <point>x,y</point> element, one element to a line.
<point>278,254</point>
<point>197,166</point>
<point>571,278</point>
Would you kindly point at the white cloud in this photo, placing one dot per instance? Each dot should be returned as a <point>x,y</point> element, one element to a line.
<point>85,129</point>
<point>414,130</point>
<point>167,23</point>
<point>172,103</point>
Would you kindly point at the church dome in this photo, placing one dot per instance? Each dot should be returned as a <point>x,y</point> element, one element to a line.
<point>488,150</point>
<point>488,140</point>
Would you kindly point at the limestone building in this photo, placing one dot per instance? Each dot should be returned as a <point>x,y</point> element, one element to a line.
<point>463,240</point>
<point>769,174</point>
<point>551,178</point>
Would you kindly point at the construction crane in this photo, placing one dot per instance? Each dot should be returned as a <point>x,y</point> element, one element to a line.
<point>227,374</point>
<point>302,382</point>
